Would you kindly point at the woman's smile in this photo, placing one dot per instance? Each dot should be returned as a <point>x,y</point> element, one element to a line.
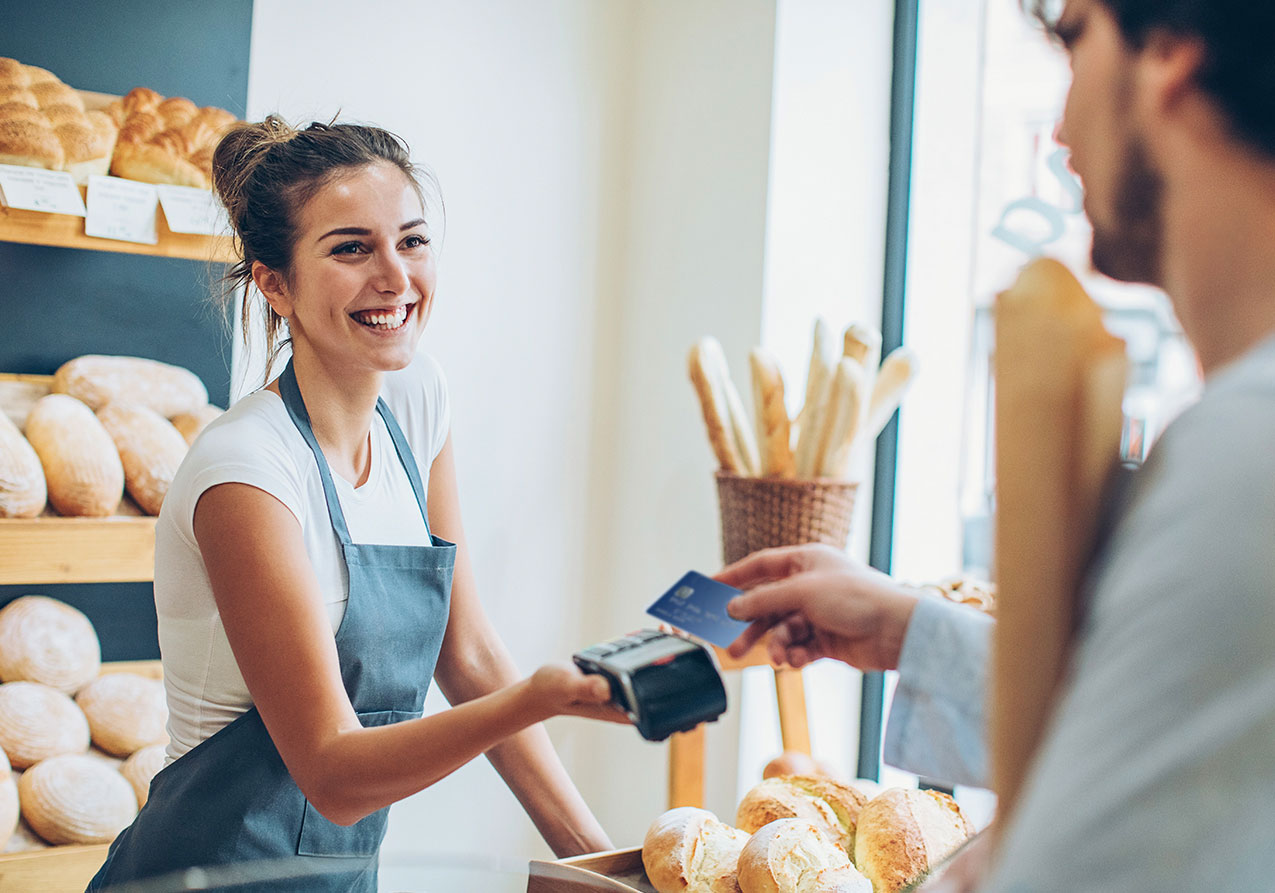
<point>384,319</point>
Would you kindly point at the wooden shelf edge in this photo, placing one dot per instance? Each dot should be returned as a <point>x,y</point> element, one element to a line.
<point>38,551</point>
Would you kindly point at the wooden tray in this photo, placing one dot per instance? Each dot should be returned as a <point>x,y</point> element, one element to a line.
<point>617,871</point>
<point>62,869</point>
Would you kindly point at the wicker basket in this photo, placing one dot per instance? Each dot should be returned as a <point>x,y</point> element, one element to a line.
<point>758,513</point>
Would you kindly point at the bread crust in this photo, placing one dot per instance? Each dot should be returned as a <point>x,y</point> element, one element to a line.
<point>904,832</point>
<point>43,124</point>
<point>98,379</point>
<point>47,641</point>
<point>125,712</point>
<point>191,424</point>
<point>846,401</point>
<point>76,799</point>
<point>774,435</point>
<point>166,140</point>
<point>688,849</point>
<point>895,376</point>
<point>22,489</point>
<point>38,722</point>
<point>151,450</point>
<point>824,802</point>
<point>796,856</point>
<point>142,766</point>
<point>82,467</point>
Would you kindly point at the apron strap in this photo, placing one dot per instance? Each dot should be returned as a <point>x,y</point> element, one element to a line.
<point>407,459</point>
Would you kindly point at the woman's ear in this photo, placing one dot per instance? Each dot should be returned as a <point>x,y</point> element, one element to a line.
<point>273,287</point>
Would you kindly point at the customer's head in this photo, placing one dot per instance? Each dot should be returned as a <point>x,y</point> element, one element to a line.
<point>266,173</point>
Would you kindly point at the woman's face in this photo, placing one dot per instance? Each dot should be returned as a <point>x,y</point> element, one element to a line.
<point>363,272</point>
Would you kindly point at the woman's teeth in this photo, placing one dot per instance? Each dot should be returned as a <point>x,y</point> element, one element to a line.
<point>380,320</point>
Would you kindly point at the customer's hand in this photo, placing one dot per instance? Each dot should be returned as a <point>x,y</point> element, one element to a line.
<point>967,870</point>
<point>818,602</point>
<point>564,690</point>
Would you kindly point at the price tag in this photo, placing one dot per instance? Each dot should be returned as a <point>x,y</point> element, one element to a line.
<point>122,209</point>
<point>35,189</point>
<point>190,210</point>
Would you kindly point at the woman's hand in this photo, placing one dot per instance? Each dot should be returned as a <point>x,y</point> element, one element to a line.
<point>564,690</point>
<point>818,602</point>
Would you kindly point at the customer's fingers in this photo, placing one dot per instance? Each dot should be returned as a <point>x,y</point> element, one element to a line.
<point>748,638</point>
<point>763,567</point>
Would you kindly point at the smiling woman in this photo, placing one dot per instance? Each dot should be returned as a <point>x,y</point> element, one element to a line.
<point>311,571</point>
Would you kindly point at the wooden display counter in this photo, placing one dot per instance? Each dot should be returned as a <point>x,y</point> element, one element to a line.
<point>617,871</point>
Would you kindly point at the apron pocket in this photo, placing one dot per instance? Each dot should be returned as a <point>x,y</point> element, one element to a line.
<point>320,837</point>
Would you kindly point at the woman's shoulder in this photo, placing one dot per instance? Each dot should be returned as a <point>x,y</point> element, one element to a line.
<point>417,396</point>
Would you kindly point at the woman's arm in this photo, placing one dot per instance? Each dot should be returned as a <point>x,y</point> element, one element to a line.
<point>268,599</point>
<point>474,663</point>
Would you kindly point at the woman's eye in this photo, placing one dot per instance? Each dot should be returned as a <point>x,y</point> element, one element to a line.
<point>415,241</point>
<point>348,248</point>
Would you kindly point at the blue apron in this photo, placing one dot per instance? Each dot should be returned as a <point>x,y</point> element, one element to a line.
<point>229,803</point>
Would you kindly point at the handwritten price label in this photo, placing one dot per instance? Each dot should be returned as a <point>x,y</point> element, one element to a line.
<point>190,210</point>
<point>122,209</point>
<point>35,189</point>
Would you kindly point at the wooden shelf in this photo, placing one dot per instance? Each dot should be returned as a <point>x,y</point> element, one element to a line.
<point>67,231</point>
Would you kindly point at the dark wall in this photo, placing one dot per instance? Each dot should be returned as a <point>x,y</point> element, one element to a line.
<point>58,303</point>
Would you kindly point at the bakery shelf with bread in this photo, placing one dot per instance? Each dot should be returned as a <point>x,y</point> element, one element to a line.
<point>83,739</point>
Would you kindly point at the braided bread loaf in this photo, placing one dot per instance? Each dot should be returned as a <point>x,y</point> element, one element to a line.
<point>166,140</point>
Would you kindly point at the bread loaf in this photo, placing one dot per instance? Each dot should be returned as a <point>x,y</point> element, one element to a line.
<point>125,711</point>
<point>705,374</point>
<point>896,374</point>
<point>903,832</point>
<point>774,435</point>
<point>166,140</point>
<point>76,799</point>
<point>22,490</point>
<point>98,380</point>
<point>826,803</point>
<point>82,467</point>
<point>191,424</point>
<point>47,641</point>
<point>141,767</point>
<point>688,849</point>
<point>150,449</point>
<point>43,124</point>
<point>38,722</point>
<point>796,856</point>
<point>8,802</point>
<point>847,399</point>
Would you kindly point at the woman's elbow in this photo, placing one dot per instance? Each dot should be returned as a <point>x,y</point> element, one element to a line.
<point>335,805</point>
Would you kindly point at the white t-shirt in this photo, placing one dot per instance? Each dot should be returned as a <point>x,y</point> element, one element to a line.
<point>256,443</point>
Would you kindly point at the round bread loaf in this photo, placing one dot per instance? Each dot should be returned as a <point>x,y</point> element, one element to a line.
<point>688,849</point>
<point>796,762</point>
<point>905,831</point>
<point>150,448</point>
<point>98,380</point>
<point>125,711</point>
<point>81,464</point>
<point>22,490</point>
<point>8,801</point>
<point>76,799</point>
<point>191,424</point>
<point>797,856</point>
<point>829,804</point>
<point>141,767</point>
<point>47,641</point>
<point>38,722</point>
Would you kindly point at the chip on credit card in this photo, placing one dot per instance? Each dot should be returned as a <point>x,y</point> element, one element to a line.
<point>697,605</point>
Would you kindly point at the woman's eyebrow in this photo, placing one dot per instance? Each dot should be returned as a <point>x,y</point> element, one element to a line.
<point>360,231</point>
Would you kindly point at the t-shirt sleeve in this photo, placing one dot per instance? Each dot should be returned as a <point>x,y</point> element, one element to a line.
<point>417,396</point>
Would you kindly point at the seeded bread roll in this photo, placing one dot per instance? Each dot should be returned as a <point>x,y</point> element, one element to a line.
<point>191,424</point>
<point>76,799</point>
<point>824,802</point>
<point>903,832</point>
<point>687,850</point>
<point>141,767</point>
<point>38,722</point>
<point>8,801</point>
<point>150,448</point>
<point>98,380</point>
<point>47,641</point>
<point>126,712</point>
<point>796,856</point>
<point>22,489</point>
<point>82,467</point>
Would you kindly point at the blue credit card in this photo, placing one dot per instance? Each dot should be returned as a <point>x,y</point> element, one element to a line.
<point>697,605</point>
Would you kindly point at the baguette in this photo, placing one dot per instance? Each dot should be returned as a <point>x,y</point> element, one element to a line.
<point>810,420</point>
<point>81,464</point>
<point>22,489</point>
<point>893,379</point>
<point>842,417</point>
<point>774,436</point>
<point>862,343</point>
<point>98,380</point>
<point>742,432</point>
<point>150,448</point>
<point>706,377</point>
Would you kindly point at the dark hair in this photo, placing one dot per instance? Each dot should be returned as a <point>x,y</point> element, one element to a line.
<point>265,172</point>
<point>1238,37</point>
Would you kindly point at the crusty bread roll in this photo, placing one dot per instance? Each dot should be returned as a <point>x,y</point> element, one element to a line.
<point>903,833</point>
<point>150,448</point>
<point>191,424</point>
<point>824,802</point>
<point>125,711</point>
<point>141,767</point>
<point>82,467</point>
<point>76,799</point>
<point>43,124</point>
<point>797,856</point>
<point>22,489</point>
<point>688,849</point>
<point>796,762</point>
<point>98,380</point>
<point>166,140</point>
<point>38,722</point>
<point>774,432</point>
<point>47,641</point>
<point>8,801</point>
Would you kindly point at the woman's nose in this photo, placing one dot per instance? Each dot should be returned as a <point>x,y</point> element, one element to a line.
<point>391,274</point>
